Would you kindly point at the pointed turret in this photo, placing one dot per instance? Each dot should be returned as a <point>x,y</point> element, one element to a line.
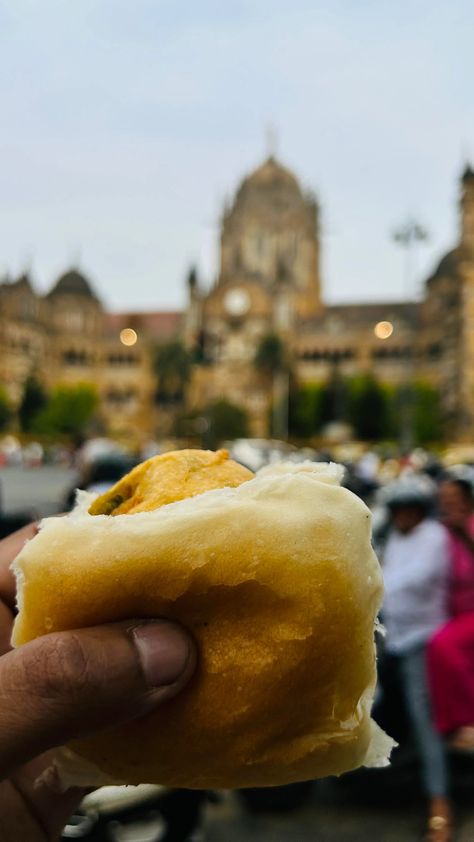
<point>467,208</point>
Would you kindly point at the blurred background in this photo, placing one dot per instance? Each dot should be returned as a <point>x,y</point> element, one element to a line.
<point>248,225</point>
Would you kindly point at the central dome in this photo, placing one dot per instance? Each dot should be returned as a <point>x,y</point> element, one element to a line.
<point>271,174</point>
<point>271,188</point>
<point>73,282</point>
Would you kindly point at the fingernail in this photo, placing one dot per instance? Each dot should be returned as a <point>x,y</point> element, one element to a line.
<point>164,652</point>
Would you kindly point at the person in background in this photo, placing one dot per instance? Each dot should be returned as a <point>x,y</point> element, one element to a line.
<point>451,651</point>
<point>415,567</point>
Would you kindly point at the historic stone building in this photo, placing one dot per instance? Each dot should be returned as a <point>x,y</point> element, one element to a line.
<point>67,337</point>
<point>268,283</point>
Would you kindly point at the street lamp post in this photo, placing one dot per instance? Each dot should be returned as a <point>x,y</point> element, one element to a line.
<point>408,237</point>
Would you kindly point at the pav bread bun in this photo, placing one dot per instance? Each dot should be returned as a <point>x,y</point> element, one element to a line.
<point>275,578</point>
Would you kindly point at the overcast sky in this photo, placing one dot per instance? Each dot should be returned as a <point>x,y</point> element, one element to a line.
<point>126,123</point>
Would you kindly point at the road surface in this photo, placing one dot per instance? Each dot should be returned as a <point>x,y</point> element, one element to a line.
<point>42,489</point>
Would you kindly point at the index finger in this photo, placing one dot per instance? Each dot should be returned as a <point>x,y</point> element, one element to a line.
<point>9,549</point>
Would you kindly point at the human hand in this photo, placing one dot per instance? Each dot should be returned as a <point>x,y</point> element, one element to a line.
<point>66,685</point>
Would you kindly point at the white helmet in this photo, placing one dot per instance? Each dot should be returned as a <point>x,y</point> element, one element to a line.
<point>417,490</point>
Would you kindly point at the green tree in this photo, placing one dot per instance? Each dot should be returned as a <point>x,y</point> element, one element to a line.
<point>427,421</point>
<point>5,409</point>
<point>172,365</point>
<point>33,401</point>
<point>368,409</point>
<point>68,411</point>
<point>271,360</point>
<point>424,412</point>
<point>334,399</point>
<point>271,356</point>
<point>225,420</point>
<point>305,410</point>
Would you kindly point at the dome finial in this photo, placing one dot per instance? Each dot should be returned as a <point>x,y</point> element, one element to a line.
<point>27,263</point>
<point>76,257</point>
<point>271,140</point>
<point>468,172</point>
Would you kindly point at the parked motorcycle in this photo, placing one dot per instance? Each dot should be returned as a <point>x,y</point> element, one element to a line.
<point>111,813</point>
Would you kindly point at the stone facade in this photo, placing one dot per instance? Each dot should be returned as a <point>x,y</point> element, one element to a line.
<point>66,337</point>
<point>268,283</point>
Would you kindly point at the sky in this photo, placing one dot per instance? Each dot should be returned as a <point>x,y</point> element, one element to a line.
<point>126,124</point>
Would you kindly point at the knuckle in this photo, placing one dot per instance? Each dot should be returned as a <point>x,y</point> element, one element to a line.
<point>61,668</point>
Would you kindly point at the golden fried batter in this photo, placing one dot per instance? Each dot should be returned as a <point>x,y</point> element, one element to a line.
<point>170,477</point>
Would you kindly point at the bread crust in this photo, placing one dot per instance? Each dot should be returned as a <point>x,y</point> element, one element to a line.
<point>277,582</point>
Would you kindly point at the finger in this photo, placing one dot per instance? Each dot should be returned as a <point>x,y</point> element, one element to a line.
<point>69,684</point>
<point>9,549</point>
<point>6,625</point>
<point>32,806</point>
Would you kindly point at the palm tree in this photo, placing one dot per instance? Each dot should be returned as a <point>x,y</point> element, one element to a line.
<point>33,401</point>
<point>172,366</point>
<point>271,359</point>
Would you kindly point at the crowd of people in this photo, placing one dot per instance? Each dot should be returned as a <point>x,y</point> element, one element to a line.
<point>427,553</point>
<point>425,543</point>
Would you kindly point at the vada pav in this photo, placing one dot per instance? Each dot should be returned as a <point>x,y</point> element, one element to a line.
<point>273,575</point>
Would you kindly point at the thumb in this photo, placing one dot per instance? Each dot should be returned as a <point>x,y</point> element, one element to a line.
<point>69,684</point>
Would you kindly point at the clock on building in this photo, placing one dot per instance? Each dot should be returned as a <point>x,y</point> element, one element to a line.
<point>237,302</point>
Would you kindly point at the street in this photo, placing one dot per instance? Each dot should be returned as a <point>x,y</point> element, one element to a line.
<point>321,820</point>
<point>42,489</point>
<point>325,820</point>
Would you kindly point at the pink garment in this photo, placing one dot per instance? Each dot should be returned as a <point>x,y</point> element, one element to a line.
<point>451,650</point>
<point>451,674</point>
<point>461,598</point>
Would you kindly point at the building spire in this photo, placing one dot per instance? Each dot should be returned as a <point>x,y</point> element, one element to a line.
<point>76,256</point>
<point>26,264</point>
<point>271,139</point>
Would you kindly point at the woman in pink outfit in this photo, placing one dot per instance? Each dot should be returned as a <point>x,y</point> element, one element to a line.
<point>451,650</point>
